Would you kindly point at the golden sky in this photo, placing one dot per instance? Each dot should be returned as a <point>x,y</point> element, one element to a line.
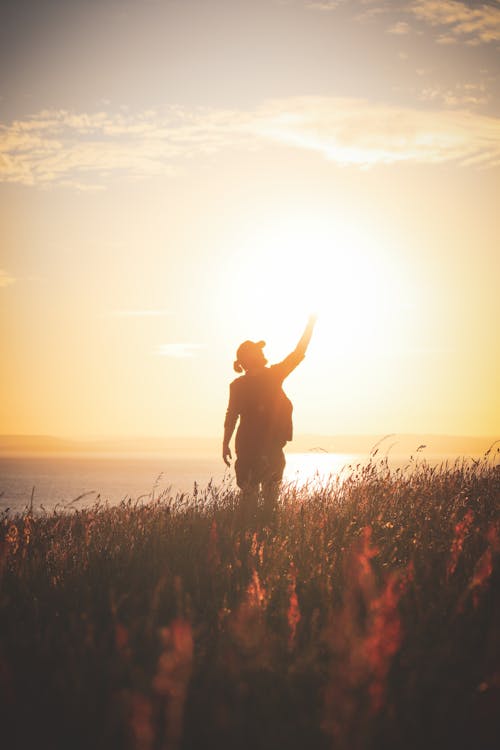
<point>177,176</point>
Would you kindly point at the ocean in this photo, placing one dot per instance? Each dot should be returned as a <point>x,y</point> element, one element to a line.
<point>68,482</point>
<point>72,481</point>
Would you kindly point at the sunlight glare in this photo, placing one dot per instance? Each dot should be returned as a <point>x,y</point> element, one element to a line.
<point>299,267</point>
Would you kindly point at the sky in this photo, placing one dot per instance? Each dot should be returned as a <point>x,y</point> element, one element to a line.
<point>177,176</point>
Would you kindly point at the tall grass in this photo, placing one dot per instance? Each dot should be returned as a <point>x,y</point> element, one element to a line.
<point>364,614</point>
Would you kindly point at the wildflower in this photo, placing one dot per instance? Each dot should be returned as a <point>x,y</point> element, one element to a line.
<point>383,639</point>
<point>173,676</point>
<point>293,613</point>
<point>141,713</point>
<point>482,572</point>
<point>247,625</point>
<point>461,531</point>
<point>213,556</point>
<point>121,637</point>
<point>12,538</point>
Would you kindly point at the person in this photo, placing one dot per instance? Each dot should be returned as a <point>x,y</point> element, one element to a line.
<point>265,419</point>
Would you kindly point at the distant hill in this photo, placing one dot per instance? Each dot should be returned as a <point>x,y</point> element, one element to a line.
<point>396,444</point>
<point>44,444</point>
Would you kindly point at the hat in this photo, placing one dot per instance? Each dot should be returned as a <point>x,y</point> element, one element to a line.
<point>246,351</point>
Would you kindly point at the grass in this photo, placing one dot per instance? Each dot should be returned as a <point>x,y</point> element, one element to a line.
<point>364,614</point>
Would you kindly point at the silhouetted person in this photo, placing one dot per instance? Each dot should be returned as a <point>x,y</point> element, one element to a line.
<point>265,414</point>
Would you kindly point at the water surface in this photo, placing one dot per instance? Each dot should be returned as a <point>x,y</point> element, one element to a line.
<point>76,481</point>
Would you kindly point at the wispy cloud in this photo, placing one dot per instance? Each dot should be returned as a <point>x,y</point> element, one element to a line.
<point>371,11</point>
<point>183,350</point>
<point>356,132</point>
<point>324,5</point>
<point>454,21</point>
<point>460,95</point>
<point>476,23</point>
<point>82,149</point>
<point>6,279</point>
<point>400,28</point>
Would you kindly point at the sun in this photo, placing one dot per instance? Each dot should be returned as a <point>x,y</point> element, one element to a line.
<point>282,273</point>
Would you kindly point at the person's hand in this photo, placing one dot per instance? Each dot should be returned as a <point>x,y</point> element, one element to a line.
<point>226,454</point>
<point>313,317</point>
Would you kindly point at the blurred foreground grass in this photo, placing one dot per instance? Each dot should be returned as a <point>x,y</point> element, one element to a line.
<point>364,614</point>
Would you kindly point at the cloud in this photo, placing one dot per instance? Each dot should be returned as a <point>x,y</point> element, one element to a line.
<point>90,150</point>
<point>82,149</point>
<point>455,21</point>
<point>460,95</point>
<point>182,350</point>
<point>356,132</point>
<point>6,279</point>
<point>400,28</point>
<point>323,5</point>
<point>371,11</point>
<point>459,21</point>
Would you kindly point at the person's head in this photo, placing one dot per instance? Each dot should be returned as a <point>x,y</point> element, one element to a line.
<point>250,356</point>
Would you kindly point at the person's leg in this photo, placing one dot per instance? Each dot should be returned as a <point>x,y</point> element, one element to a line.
<point>246,479</point>
<point>271,483</point>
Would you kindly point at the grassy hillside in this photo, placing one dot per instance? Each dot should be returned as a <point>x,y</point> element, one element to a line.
<point>364,614</point>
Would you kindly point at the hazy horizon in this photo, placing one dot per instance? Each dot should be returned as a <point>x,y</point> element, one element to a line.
<point>191,446</point>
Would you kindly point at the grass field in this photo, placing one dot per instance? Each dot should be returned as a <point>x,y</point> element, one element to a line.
<point>364,614</point>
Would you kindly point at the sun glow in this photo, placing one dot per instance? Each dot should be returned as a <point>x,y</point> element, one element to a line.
<point>297,267</point>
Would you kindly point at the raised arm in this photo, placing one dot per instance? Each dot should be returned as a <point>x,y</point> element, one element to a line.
<point>306,336</point>
<point>284,368</point>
